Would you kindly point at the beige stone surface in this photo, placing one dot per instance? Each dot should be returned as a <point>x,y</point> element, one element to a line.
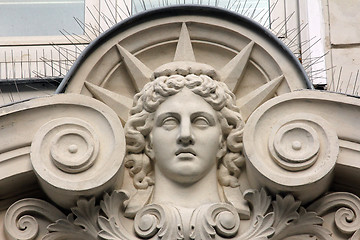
<point>346,78</point>
<point>57,140</point>
<point>198,163</point>
<point>2,232</point>
<point>344,19</point>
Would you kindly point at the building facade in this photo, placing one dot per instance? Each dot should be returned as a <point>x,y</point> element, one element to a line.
<point>252,150</point>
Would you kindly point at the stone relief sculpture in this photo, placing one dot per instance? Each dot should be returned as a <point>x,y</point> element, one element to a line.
<point>206,137</point>
<point>217,144</point>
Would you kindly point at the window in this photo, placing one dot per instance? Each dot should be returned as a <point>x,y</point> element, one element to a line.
<point>38,51</point>
<point>40,17</point>
<point>34,54</point>
<point>256,9</point>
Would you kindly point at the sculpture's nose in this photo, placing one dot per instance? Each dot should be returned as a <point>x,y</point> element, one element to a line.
<point>185,133</point>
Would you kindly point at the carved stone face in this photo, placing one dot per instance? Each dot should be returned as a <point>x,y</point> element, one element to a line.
<point>185,138</point>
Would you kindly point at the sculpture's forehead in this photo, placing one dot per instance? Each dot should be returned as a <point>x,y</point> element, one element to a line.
<point>184,102</point>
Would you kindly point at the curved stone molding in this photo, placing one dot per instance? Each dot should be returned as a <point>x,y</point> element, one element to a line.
<point>292,142</point>
<point>74,144</point>
<point>246,55</point>
<point>27,219</point>
<point>347,212</point>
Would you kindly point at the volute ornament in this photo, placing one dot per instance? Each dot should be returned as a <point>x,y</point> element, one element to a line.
<point>27,218</point>
<point>218,143</point>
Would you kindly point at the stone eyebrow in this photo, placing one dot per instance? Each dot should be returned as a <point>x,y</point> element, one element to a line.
<point>162,116</point>
<point>208,116</point>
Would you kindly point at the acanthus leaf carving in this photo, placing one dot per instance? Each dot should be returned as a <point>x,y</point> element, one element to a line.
<point>67,229</point>
<point>285,210</point>
<point>87,214</point>
<point>314,153</point>
<point>293,220</point>
<point>112,204</point>
<point>84,226</point>
<point>282,218</point>
<point>261,221</point>
<point>110,224</point>
<point>109,229</point>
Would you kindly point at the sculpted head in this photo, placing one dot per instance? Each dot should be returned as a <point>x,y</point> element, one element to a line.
<point>184,125</point>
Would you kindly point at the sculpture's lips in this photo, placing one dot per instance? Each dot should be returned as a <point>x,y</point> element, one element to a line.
<point>185,150</point>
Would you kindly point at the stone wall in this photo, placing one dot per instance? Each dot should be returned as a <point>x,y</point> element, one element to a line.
<point>342,40</point>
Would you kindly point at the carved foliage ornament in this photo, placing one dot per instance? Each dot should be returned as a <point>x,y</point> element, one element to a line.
<point>278,218</point>
<point>187,143</point>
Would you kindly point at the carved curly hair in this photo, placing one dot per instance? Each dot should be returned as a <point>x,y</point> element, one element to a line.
<point>140,122</point>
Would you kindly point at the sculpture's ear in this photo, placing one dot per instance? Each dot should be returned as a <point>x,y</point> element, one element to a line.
<point>222,149</point>
<point>149,151</point>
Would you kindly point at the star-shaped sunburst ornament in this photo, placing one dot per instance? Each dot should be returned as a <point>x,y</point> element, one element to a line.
<point>184,62</point>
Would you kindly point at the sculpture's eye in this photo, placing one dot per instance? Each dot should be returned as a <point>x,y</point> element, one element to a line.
<point>170,123</point>
<point>201,122</point>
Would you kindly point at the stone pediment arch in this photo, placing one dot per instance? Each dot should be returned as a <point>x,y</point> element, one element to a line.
<point>280,177</point>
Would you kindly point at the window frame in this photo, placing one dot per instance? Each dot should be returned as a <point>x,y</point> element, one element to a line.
<point>57,39</point>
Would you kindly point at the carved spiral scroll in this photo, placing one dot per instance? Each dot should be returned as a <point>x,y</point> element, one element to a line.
<point>347,207</point>
<point>149,221</point>
<point>80,151</point>
<point>212,220</point>
<point>288,151</point>
<point>165,221</point>
<point>21,218</point>
<point>225,219</point>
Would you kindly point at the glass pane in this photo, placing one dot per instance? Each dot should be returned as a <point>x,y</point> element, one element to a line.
<point>40,17</point>
<point>255,9</point>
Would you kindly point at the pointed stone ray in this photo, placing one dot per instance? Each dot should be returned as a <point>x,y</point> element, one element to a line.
<point>138,71</point>
<point>233,71</point>
<point>119,103</point>
<point>184,50</point>
<point>254,99</point>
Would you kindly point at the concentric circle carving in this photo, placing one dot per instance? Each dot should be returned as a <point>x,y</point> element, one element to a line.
<point>294,146</point>
<point>79,155</point>
<point>289,150</point>
<point>75,147</point>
